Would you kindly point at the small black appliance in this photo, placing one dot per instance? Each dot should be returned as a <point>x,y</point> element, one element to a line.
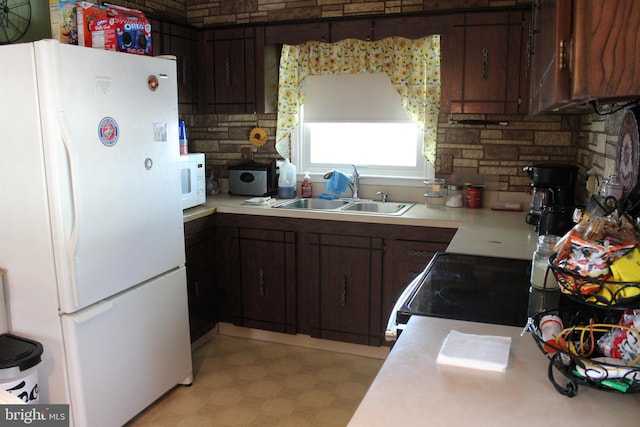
<point>554,184</point>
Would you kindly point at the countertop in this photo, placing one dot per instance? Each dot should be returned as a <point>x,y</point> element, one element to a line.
<point>479,231</point>
<point>412,390</point>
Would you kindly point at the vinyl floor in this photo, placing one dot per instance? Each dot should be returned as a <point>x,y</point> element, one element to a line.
<point>247,382</point>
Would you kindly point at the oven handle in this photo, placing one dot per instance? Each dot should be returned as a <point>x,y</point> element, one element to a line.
<point>391,333</point>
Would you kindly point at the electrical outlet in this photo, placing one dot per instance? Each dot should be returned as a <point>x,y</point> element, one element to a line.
<point>446,164</point>
<point>247,154</point>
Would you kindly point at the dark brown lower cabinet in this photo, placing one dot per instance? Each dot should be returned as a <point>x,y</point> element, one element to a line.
<point>257,286</point>
<point>200,265</point>
<point>344,277</point>
<point>334,280</point>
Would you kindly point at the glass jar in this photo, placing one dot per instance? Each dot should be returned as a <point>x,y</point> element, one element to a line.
<point>540,262</point>
<point>612,188</point>
<point>434,191</point>
<point>434,187</point>
<point>455,196</point>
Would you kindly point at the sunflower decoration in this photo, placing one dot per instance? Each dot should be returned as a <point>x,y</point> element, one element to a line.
<point>258,137</point>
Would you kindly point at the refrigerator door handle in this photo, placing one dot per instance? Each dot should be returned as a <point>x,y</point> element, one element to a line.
<point>92,312</point>
<point>72,246</point>
<point>66,141</point>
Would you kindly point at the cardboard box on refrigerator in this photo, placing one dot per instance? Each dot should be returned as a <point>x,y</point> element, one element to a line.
<point>122,30</point>
<point>63,21</point>
<point>86,13</point>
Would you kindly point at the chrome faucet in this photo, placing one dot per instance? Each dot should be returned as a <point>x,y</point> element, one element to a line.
<point>354,183</point>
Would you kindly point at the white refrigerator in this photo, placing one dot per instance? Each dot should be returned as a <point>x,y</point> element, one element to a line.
<point>91,226</point>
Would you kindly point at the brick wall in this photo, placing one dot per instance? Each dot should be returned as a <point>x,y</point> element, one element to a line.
<point>203,13</point>
<point>597,138</point>
<point>493,155</point>
<point>169,10</point>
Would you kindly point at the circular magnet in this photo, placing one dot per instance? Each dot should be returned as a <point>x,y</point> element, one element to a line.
<point>148,163</point>
<point>108,131</point>
<point>153,83</point>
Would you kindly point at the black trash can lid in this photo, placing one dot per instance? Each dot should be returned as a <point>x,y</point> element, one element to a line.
<point>17,351</point>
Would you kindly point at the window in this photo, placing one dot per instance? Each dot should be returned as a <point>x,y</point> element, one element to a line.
<point>358,119</point>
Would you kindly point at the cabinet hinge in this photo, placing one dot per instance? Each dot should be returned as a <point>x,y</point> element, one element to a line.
<point>562,55</point>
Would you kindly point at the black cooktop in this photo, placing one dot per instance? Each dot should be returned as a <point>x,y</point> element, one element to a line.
<point>474,288</point>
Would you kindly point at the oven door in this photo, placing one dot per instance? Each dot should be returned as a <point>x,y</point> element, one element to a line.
<point>396,324</point>
<point>466,287</point>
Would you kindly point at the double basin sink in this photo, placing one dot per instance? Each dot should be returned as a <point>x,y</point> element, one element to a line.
<point>347,205</point>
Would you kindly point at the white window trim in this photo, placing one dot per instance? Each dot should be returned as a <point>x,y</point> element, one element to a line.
<point>297,159</point>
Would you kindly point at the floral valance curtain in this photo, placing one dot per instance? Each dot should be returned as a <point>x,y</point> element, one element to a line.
<point>413,67</point>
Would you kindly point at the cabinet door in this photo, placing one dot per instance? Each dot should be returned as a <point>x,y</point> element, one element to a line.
<point>267,260</point>
<point>181,42</point>
<point>198,291</point>
<point>604,60</point>
<point>229,71</point>
<point>200,266</point>
<point>349,285</point>
<point>493,57</point>
<point>549,49</point>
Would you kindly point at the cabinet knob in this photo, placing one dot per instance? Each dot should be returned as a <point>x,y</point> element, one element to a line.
<point>261,281</point>
<point>562,55</point>
<point>343,294</point>
<point>485,63</point>
<point>227,72</point>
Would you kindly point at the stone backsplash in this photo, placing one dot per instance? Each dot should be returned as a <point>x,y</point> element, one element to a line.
<point>492,155</point>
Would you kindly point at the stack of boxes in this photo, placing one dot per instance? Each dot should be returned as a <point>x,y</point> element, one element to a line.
<point>107,27</point>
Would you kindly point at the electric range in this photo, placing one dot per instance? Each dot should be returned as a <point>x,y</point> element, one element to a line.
<point>466,287</point>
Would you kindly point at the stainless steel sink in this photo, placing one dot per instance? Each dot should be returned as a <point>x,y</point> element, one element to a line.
<point>386,208</point>
<point>313,204</point>
<point>346,205</point>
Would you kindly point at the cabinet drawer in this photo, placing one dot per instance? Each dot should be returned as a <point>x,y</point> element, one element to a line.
<point>411,257</point>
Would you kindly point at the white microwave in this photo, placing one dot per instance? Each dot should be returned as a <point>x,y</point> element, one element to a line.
<point>193,180</point>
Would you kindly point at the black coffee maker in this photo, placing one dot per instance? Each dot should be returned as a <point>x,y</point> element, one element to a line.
<point>553,197</point>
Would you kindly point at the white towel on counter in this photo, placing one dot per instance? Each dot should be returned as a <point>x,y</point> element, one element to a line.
<point>257,201</point>
<point>486,352</point>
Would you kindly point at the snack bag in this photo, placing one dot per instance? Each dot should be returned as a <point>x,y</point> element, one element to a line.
<point>622,343</point>
<point>627,267</point>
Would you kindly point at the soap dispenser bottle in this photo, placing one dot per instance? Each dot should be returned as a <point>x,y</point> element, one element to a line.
<point>307,187</point>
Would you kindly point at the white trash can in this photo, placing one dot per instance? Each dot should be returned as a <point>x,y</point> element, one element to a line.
<point>19,358</point>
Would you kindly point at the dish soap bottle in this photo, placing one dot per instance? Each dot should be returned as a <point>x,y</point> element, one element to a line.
<point>287,180</point>
<point>307,187</point>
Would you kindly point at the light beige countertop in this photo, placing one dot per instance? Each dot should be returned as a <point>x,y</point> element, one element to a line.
<point>480,231</point>
<point>411,389</point>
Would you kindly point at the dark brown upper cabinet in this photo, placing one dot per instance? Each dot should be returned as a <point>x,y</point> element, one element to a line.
<point>182,42</point>
<point>583,50</point>
<point>231,70</point>
<point>492,60</point>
